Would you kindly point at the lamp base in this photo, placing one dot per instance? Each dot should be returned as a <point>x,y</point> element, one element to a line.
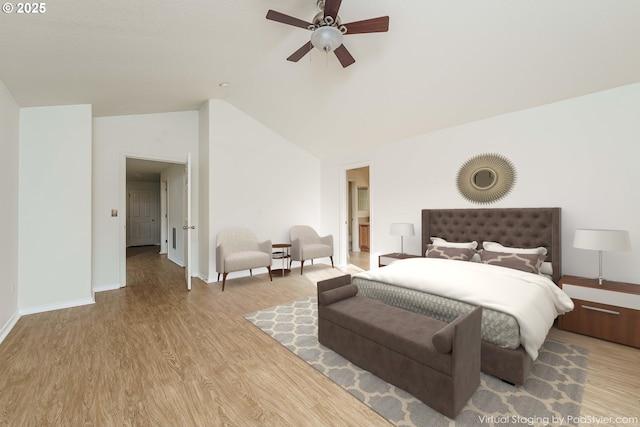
<point>600,279</point>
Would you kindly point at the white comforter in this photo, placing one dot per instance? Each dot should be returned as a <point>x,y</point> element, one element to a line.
<point>533,300</point>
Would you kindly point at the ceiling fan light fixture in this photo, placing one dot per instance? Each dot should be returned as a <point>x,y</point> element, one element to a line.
<point>326,38</point>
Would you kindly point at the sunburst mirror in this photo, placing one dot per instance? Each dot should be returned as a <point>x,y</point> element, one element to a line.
<point>486,178</point>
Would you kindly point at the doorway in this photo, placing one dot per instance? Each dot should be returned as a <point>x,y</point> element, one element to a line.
<point>143,215</point>
<point>358,217</point>
<point>154,205</point>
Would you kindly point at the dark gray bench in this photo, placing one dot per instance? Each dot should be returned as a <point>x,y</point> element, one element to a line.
<point>438,363</point>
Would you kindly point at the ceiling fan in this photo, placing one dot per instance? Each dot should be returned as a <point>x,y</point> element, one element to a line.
<point>327,30</point>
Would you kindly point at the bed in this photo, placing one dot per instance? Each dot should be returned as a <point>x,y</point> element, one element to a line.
<point>510,336</point>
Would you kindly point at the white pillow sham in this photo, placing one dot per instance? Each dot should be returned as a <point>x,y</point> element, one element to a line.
<point>497,247</point>
<point>437,241</point>
<point>546,269</point>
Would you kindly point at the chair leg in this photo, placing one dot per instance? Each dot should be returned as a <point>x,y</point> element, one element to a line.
<point>331,258</point>
<point>269,268</point>
<point>301,266</point>
<point>218,277</point>
<point>224,280</point>
<point>251,272</point>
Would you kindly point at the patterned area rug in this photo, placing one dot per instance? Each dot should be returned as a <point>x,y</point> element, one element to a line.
<point>551,396</point>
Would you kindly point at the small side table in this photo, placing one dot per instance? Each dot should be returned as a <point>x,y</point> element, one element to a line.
<point>387,259</point>
<point>282,253</point>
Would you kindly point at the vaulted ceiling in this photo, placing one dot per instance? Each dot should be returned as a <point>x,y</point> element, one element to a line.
<point>442,63</point>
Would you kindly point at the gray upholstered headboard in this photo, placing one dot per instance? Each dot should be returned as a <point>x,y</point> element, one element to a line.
<point>515,227</point>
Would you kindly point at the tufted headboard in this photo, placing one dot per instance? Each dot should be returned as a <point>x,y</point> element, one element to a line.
<point>515,227</point>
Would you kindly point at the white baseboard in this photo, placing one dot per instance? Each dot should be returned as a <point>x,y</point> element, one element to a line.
<point>179,262</point>
<point>57,306</point>
<point>9,326</point>
<point>103,288</point>
<point>204,278</point>
<point>324,261</point>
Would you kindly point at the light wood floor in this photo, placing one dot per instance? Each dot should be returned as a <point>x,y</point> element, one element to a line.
<point>359,259</point>
<point>154,354</point>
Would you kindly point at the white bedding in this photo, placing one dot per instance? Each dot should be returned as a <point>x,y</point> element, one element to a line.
<point>533,300</point>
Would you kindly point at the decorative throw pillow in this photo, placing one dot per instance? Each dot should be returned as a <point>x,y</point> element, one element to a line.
<point>461,254</point>
<point>497,247</point>
<point>443,339</point>
<point>437,241</point>
<point>338,294</point>
<point>525,262</point>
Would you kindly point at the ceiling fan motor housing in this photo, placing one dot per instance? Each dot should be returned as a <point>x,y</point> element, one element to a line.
<point>326,38</point>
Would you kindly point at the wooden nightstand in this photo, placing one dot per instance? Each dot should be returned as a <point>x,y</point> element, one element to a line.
<point>387,259</point>
<point>610,311</point>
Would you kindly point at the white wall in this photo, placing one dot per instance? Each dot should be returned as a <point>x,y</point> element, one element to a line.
<point>580,155</point>
<point>55,207</point>
<point>165,137</point>
<point>205,247</point>
<point>253,178</point>
<point>257,180</point>
<point>9,131</point>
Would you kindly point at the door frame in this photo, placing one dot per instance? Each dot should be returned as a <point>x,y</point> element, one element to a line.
<point>122,208</point>
<point>344,212</point>
<point>187,220</point>
<point>352,216</point>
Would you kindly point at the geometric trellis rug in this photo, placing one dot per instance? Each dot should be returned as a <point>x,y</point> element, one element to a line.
<point>551,396</point>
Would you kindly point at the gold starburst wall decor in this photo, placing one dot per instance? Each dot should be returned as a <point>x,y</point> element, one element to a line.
<point>486,178</point>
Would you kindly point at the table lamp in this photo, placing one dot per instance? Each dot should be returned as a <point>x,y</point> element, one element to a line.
<point>402,229</point>
<point>602,240</point>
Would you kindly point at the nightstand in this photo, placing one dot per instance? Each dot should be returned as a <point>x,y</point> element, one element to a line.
<point>387,259</point>
<point>610,311</point>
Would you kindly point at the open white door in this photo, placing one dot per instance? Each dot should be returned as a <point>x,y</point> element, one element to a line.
<point>187,222</point>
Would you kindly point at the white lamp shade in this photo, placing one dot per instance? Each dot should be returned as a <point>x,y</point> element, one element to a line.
<point>602,240</point>
<point>326,38</point>
<point>402,229</point>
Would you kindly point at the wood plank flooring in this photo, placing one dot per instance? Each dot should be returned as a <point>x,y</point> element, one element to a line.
<point>155,354</point>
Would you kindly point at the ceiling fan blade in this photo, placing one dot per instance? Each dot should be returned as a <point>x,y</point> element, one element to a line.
<point>344,56</point>
<point>373,25</point>
<point>286,19</point>
<point>331,8</point>
<point>298,54</point>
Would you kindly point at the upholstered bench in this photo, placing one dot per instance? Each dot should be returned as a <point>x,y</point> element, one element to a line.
<point>438,363</point>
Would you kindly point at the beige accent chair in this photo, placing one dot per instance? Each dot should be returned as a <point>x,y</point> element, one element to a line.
<point>238,249</point>
<point>307,244</point>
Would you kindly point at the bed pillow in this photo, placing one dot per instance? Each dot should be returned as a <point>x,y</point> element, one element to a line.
<point>524,262</point>
<point>460,254</point>
<point>497,247</point>
<point>441,242</point>
<point>546,269</point>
